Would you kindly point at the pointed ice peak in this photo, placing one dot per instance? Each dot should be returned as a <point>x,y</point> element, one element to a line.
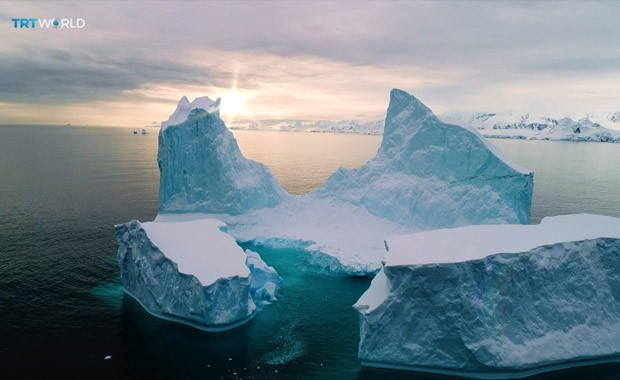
<point>203,102</point>
<point>184,108</point>
<point>401,100</point>
<point>404,115</point>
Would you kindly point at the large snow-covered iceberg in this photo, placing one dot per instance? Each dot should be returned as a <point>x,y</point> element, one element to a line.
<point>189,272</point>
<point>203,170</point>
<point>496,300</point>
<point>426,174</point>
<point>431,174</point>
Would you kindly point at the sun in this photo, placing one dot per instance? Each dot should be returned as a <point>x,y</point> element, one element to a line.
<point>233,104</point>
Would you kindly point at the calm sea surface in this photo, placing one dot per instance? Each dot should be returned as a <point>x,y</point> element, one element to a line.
<point>62,309</point>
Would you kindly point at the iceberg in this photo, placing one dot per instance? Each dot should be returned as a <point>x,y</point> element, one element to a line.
<point>188,272</point>
<point>496,301</point>
<point>203,170</point>
<point>431,174</point>
<point>426,174</point>
<point>264,280</point>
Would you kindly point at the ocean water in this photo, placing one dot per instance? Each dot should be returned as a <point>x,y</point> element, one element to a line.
<point>62,310</point>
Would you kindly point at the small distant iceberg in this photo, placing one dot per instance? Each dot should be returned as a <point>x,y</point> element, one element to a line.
<point>496,301</point>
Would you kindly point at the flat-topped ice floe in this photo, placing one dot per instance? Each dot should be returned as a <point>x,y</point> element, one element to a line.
<point>189,272</point>
<point>496,301</point>
<point>426,174</point>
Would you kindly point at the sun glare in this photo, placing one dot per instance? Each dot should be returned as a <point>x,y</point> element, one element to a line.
<point>232,104</point>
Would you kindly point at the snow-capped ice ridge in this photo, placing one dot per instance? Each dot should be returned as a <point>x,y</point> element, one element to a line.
<point>203,170</point>
<point>496,301</point>
<point>426,174</point>
<point>431,174</point>
<point>184,108</point>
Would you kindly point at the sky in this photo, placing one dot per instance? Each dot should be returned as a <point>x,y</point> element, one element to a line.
<point>133,61</point>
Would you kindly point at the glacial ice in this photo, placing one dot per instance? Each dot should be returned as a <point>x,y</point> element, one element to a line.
<point>264,280</point>
<point>203,170</point>
<point>431,174</point>
<point>189,272</point>
<point>496,301</point>
<point>184,108</point>
<point>426,174</point>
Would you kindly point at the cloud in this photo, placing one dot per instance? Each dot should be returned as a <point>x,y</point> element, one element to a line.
<point>45,75</point>
<point>316,58</point>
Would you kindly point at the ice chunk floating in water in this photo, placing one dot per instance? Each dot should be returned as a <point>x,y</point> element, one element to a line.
<point>496,301</point>
<point>188,272</point>
<point>265,281</point>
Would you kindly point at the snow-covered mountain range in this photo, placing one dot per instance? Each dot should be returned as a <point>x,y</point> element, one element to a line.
<point>589,127</point>
<point>374,127</point>
<point>602,127</point>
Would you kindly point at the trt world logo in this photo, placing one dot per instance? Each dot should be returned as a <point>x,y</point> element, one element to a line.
<point>46,23</point>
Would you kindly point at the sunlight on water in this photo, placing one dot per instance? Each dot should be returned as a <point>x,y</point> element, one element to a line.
<point>302,161</point>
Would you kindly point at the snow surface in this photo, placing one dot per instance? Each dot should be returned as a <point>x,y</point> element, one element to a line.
<point>496,301</point>
<point>538,127</point>
<point>338,235</point>
<point>199,248</point>
<point>426,174</point>
<point>184,108</point>
<point>476,242</point>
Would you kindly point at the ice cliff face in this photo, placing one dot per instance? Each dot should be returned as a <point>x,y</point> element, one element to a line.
<point>438,306</point>
<point>265,281</point>
<point>202,168</point>
<point>431,174</point>
<point>209,291</point>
